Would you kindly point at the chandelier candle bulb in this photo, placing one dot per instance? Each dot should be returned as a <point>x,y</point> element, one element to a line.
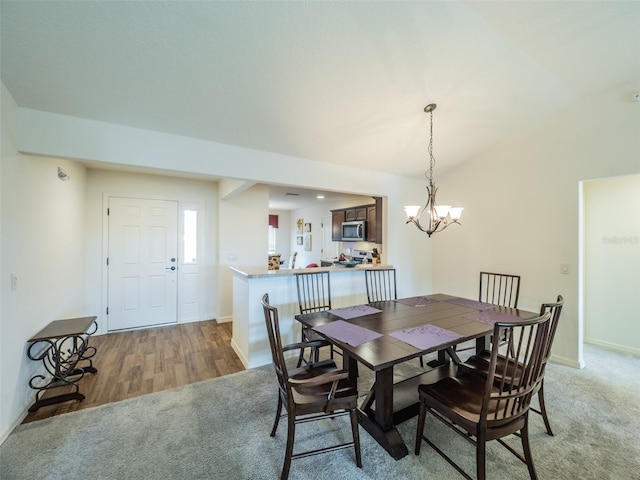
<point>440,216</point>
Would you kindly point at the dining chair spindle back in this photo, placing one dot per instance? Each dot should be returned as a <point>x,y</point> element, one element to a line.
<point>499,289</point>
<point>381,284</point>
<point>481,408</point>
<point>314,295</point>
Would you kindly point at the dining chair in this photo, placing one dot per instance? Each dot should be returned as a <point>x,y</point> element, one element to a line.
<point>292,260</point>
<point>314,295</point>
<point>381,284</point>
<point>309,394</point>
<point>480,410</point>
<point>480,363</point>
<point>499,289</point>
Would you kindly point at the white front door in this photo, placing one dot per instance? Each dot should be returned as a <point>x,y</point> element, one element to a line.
<point>142,262</point>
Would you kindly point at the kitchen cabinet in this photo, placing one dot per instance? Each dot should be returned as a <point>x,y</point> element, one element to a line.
<point>337,217</point>
<point>355,214</point>
<point>372,225</point>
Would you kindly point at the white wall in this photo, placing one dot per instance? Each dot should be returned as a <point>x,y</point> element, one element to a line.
<point>104,183</point>
<point>243,238</point>
<point>612,263</point>
<point>43,246</point>
<point>521,202</point>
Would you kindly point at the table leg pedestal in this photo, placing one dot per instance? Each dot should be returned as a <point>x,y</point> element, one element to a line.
<point>380,422</point>
<point>390,439</point>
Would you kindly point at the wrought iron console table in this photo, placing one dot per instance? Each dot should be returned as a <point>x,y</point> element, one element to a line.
<point>63,347</point>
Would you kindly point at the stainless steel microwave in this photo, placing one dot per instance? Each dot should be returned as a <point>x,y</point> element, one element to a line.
<point>354,231</point>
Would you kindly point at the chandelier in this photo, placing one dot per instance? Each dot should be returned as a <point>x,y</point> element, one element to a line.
<point>432,218</point>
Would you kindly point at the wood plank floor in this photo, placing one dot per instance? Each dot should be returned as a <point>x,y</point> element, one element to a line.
<point>137,362</point>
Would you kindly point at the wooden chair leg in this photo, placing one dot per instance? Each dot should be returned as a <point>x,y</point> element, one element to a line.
<point>278,413</point>
<point>543,409</point>
<point>291,433</point>
<point>421,417</point>
<point>524,434</point>
<point>356,436</point>
<point>481,458</point>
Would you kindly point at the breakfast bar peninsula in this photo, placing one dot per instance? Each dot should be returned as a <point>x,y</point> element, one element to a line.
<point>250,339</point>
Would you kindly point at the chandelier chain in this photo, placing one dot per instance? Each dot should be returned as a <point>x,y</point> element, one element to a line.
<point>432,160</point>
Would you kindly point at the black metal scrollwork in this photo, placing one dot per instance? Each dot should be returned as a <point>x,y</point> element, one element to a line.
<point>66,359</point>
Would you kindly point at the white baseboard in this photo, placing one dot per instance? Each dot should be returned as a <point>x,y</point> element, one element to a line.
<point>614,347</point>
<point>566,361</point>
<point>243,359</point>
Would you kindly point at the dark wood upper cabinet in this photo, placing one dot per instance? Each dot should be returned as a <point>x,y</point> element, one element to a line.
<point>355,214</point>
<point>337,217</point>
<point>372,224</point>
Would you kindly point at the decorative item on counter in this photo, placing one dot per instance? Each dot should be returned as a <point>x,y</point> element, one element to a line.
<point>375,257</point>
<point>342,258</point>
<point>274,261</point>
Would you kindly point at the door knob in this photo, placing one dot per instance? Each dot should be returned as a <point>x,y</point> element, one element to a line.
<point>170,268</point>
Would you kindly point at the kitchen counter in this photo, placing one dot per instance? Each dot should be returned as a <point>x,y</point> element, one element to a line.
<point>249,339</point>
<point>255,272</point>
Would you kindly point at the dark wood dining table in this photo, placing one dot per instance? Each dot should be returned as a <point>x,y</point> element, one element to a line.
<point>432,322</point>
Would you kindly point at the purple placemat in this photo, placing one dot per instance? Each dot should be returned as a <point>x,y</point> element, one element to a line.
<point>416,301</point>
<point>354,312</point>
<point>425,336</point>
<point>347,332</point>
<point>470,303</point>
<point>492,316</point>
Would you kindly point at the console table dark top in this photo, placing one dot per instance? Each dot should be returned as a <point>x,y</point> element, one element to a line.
<point>64,328</point>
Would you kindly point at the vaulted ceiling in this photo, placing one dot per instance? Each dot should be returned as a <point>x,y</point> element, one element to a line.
<point>340,82</point>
